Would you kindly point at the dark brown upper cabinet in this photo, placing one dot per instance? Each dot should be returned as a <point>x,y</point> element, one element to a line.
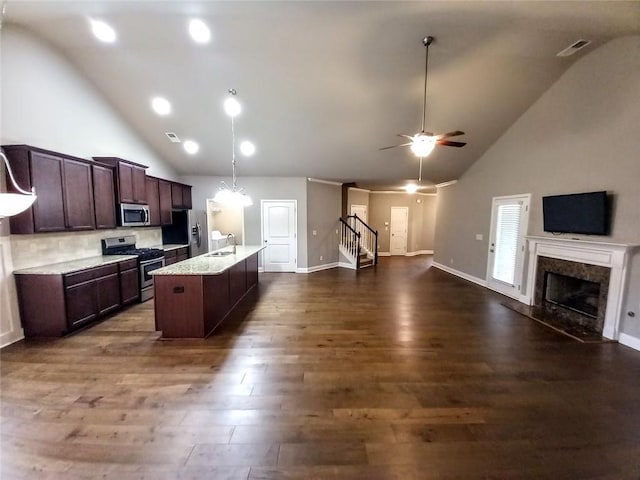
<point>164,187</point>
<point>181,196</point>
<point>104,196</point>
<point>153,200</point>
<point>78,195</point>
<point>64,190</point>
<point>159,201</point>
<point>131,183</point>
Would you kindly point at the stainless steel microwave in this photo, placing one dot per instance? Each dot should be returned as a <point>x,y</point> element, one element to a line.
<point>132,215</point>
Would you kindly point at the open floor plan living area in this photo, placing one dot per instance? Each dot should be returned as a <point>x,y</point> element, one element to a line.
<point>268,240</point>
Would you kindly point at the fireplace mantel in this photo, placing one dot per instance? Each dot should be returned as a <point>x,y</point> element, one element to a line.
<point>613,255</point>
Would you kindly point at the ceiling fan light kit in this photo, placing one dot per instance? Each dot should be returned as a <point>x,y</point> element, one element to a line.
<point>423,143</point>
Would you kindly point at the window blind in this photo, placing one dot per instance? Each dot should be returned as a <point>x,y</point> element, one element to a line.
<point>506,247</point>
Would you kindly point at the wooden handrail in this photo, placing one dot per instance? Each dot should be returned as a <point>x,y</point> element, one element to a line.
<point>374,233</point>
<point>353,242</point>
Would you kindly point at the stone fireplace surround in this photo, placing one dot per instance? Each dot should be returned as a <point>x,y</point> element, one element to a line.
<point>615,256</point>
<point>596,274</point>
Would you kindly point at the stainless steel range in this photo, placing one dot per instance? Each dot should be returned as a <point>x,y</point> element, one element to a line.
<point>149,259</point>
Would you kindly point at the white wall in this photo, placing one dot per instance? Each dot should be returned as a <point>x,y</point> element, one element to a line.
<point>581,135</point>
<point>47,103</point>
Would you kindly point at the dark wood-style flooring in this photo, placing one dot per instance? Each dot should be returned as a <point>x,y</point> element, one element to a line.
<point>402,372</point>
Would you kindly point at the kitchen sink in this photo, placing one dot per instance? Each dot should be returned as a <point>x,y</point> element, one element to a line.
<point>219,254</point>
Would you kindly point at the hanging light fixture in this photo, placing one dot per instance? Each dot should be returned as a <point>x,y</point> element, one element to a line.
<point>233,196</point>
<point>14,203</point>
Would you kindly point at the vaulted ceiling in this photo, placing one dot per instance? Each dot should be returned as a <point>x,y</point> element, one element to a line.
<point>324,85</point>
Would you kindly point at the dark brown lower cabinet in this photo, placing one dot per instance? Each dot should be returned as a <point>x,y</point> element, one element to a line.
<point>170,257</point>
<point>108,293</point>
<point>81,301</point>
<point>182,254</point>
<point>192,306</point>
<point>129,287</point>
<point>54,305</point>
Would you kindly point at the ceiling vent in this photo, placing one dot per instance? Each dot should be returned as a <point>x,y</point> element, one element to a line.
<point>173,137</point>
<point>573,48</point>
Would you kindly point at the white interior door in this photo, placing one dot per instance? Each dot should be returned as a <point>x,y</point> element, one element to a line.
<point>360,211</point>
<point>279,218</point>
<point>509,221</point>
<point>399,227</point>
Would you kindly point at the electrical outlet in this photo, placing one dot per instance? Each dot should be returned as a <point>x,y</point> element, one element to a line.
<point>314,233</point>
<point>337,233</point>
<point>451,261</point>
<point>479,236</point>
<point>321,258</point>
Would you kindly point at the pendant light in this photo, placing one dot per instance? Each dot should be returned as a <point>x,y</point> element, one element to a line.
<point>14,203</point>
<point>233,196</point>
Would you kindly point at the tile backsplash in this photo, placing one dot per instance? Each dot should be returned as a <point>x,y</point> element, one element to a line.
<point>43,248</point>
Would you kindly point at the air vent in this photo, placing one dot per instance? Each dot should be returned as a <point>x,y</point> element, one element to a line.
<point>172,136</point>
<point>573,48</point>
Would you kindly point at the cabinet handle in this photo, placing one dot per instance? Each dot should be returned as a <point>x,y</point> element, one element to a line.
<point>178,289</point>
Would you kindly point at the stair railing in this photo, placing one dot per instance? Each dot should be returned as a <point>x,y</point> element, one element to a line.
<point>350,240</point>
<point>369,236</point>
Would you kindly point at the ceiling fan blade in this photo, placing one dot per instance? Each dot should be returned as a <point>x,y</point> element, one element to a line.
<point>449,143</point>
<point>394,146</point>
<point>450,134</point>
<point>410,137</point>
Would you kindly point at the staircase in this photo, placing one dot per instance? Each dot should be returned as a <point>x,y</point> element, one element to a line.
<point>358,242</point>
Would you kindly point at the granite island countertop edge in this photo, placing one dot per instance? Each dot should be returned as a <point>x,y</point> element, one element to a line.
<point>208,265</point>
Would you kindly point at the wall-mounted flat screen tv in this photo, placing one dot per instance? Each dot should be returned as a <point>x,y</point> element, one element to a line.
<point>586,213</point>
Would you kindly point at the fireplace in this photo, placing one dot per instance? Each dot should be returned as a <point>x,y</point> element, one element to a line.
<point>580,282</point>
<point>580,296</point>
<point>573,293</point>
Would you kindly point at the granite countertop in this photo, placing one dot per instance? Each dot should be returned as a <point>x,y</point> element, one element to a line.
<point>209,265</point>
<point>172,246</point>
<point>74,265</point>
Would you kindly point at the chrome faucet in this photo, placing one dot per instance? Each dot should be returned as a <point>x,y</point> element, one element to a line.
<point>233,237</point>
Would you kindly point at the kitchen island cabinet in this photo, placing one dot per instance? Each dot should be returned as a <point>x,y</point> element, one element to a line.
<point>194,296</point>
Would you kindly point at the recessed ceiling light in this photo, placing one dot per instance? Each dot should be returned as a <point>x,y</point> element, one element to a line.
<point>411,188</point>
<point>199,31</point>
<point>247,148</point>
<point>190,147</point>
<point>103,31</point>
<point>161,106</point>
<point>232,107</point>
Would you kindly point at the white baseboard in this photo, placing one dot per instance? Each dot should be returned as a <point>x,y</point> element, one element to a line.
<point>350,266</point>
<point>419,252</point>
<point>408,254</point>
<point>318,268</point>
<point>629,341</point>
<point>478,281</point>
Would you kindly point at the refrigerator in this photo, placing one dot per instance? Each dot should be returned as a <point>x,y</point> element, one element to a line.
<point>188,227</point>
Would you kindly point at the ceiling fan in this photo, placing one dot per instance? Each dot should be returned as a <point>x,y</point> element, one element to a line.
<point>423,143</point>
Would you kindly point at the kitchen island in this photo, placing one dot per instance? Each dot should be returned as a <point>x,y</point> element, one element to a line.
<point>194,296</point>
